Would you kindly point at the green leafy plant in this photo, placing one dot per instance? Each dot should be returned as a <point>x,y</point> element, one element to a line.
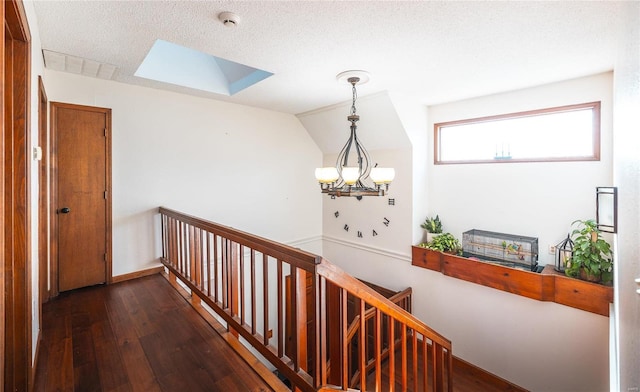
<point>592,258</point>
<point>432,225</point>
<point>444,243</point>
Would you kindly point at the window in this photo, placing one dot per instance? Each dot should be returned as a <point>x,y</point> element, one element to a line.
<point>566,133</point>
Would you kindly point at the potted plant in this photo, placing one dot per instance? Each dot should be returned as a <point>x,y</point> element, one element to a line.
<point>446,243</point>
<point>592,259</point>
<point>433,226</point>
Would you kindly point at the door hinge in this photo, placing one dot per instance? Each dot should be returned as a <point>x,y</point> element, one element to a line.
<point>105,132</point>
<point>105,195</point>
<point>105,257</point>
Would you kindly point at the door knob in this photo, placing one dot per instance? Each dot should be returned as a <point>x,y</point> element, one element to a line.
<point>65,210</point>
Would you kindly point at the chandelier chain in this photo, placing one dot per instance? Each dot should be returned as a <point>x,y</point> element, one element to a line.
<point>353,101</point>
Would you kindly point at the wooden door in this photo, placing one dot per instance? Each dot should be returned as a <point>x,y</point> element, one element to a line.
<point>82,154</point>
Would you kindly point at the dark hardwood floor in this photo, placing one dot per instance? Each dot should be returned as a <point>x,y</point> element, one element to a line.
<point>139,335</point>
<point>143,335</point>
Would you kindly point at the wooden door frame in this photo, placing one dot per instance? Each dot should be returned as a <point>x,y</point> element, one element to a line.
<point>55,271</point>
<point>43,198</point>
<point>15,231</point>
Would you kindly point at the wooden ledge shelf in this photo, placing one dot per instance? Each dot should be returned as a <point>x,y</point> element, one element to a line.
<point>546,286</point>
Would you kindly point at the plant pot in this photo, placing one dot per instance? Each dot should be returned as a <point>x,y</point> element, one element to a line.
<point>585,274</point>
<point>431,236</point>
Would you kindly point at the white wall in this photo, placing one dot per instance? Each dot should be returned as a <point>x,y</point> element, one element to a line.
<point>369,214</point>
<point>627,179</point>
<point>413,117</point>
<point>37,68</point>
<point>239,166</point>
<point>531,199</point>
<point>542,346</point>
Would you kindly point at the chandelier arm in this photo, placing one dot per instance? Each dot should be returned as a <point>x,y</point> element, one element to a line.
<point>364,159</point>
<point>343,156</point>
<point>348,146</point>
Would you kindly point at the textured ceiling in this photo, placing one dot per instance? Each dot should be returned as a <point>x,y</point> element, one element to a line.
<point>435,51</point>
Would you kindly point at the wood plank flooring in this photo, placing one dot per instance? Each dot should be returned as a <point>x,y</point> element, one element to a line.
<point>139,335</point>
<point>142,335</point>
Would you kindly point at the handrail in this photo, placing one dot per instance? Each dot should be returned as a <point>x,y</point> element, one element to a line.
<point>291,306</point>
<point>292,255</point>
<point>334,274</point>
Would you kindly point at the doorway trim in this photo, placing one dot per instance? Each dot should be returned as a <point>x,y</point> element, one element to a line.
<point>54,269</point>
<point>43,198</point>
<point>15,231</point>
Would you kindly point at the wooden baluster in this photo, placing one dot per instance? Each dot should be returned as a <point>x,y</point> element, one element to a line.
<point>438,362</point>
<point>425,364</point>
<point>265,298</point>
<point>403,343</point>
<point>170,255</point>
<point>223,272</point>
<point>181,247</point>
<point>378,349</point>
<point>193,268</point>
<point>233,276</point>
<point>449,370</point>
<point>176,245</point>
<point>241,287</point>
<point>392,355</point>
<point>184,240</point>
<point>209,265</point>
<point>414,352</point>
<point>163,234</point>
<point>185,248</point>
<point>172,243</point>
<point>279,310</point>
<point>321,331</point>
<point>215,268</point>
<point>302,317</point>
<point>201,255</point>
<point>167,221</point>
<point>362,343</point>
<point>253,291</point>
<point>229,275</point>
<point>293,351</point>
<point>333,324</point>
<point>343,339</point>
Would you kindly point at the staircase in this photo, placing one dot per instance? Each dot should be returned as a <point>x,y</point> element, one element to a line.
<point>321,328</point>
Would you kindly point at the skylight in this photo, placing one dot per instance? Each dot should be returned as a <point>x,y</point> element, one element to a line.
<point>171,63</point>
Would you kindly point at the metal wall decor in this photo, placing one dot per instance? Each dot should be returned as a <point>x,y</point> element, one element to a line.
<point>607,208</point>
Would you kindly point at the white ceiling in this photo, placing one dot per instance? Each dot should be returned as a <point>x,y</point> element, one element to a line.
<point>435,51</point>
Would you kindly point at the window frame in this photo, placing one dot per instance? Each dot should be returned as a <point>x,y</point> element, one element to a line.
<point>595,134</point>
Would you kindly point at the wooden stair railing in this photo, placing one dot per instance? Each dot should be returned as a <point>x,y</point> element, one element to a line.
<point>401,299</point>
<point>241,277</point>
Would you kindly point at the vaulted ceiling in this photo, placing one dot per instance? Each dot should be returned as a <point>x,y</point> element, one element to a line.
<point>437,51</point>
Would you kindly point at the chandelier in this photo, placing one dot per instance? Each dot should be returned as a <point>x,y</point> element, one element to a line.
<point>353,170</point>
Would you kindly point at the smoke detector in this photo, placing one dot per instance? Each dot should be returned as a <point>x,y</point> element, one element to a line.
<point>229,19</point>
